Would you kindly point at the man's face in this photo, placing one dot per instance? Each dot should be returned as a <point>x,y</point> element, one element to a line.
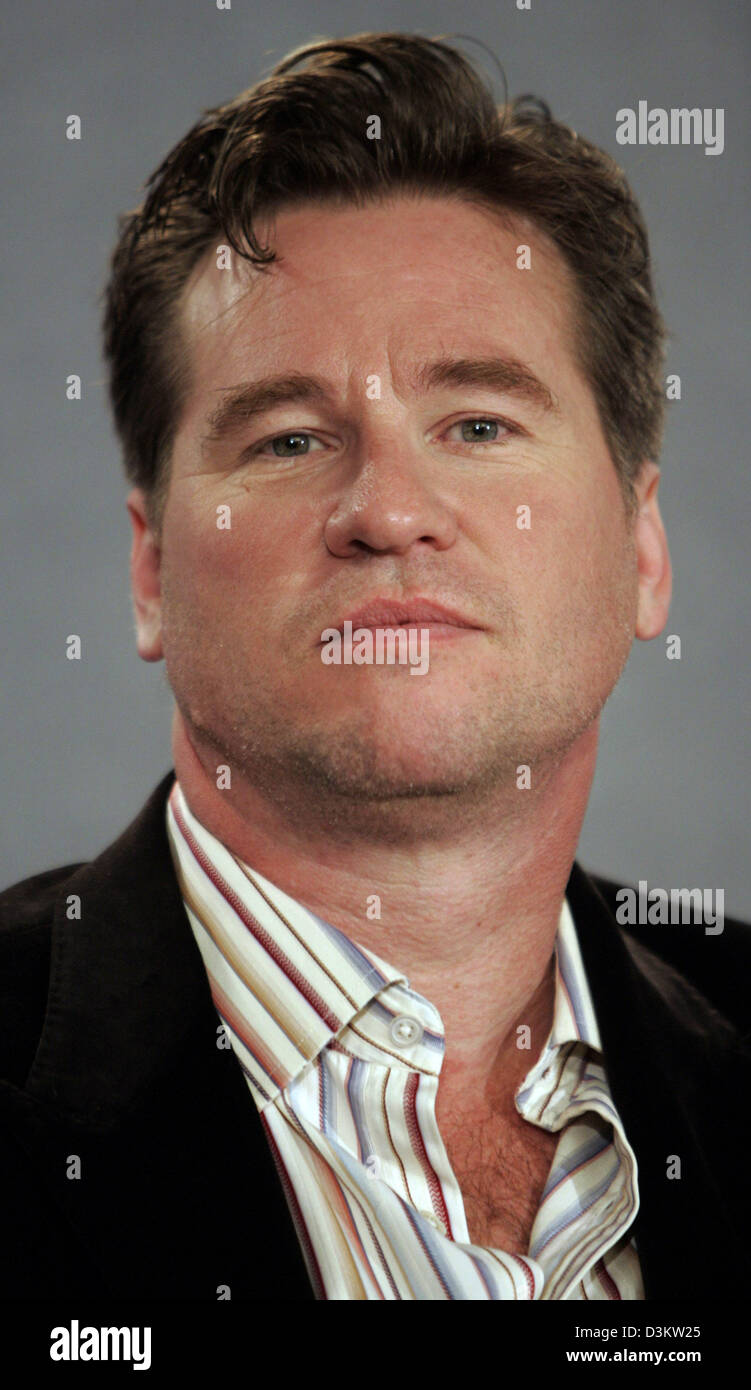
<point>394,492</point>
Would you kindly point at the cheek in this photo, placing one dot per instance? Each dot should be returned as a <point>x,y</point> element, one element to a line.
<point>224,547</point>
<point>568,558</point>
<point>539,540</point>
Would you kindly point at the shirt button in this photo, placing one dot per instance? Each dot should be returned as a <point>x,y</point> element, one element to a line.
<point>434,1221</point>
<point>406,1031</point>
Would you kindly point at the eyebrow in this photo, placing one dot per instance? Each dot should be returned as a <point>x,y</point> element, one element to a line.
<point>251,399</point>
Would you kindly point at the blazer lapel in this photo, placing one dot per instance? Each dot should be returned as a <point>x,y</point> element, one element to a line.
<point>128,1077</point>
<point>678,1074</point>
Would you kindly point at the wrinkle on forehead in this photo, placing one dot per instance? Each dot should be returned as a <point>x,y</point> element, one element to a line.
<point>470,262</point>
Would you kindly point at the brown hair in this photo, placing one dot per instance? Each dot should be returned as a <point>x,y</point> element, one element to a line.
<point>299,136</point>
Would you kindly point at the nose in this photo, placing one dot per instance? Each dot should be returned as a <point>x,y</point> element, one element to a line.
<point>389,506</point>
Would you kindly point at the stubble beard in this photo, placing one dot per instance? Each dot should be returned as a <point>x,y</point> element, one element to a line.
<point>391,778</point>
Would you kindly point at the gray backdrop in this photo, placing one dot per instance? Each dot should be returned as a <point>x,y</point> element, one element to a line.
<point>85,742</point>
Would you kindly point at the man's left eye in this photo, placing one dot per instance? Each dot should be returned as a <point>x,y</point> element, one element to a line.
<point>475,430</point>
<point>295,437</point>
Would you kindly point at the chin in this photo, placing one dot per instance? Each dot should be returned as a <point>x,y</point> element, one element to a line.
<point>373,769</point>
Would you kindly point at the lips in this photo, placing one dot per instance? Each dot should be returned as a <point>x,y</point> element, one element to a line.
<point>405,612</point>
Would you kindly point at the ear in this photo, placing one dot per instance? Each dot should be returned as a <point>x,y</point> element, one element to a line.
<point>652,555</point>
<point>145,580</point>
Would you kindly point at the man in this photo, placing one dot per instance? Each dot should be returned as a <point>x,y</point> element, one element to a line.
<point>339,1016</point>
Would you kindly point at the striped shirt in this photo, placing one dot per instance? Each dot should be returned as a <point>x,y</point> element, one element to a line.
<point>343,1061</point>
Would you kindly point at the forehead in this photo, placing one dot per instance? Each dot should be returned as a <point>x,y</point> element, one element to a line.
<point>398,281</point>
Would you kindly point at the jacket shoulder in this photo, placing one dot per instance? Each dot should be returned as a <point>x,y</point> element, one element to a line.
<point>139,856</point>
<point>27,910</point>
<point>31,901</point>
<point>716,964</point>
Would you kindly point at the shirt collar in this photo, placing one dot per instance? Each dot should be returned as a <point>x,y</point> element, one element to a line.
<point>288,981</point>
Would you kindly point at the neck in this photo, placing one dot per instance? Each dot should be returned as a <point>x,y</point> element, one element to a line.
<point>470,917</point>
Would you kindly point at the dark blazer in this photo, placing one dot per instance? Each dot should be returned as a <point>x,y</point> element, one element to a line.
<point>108,1052</point>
